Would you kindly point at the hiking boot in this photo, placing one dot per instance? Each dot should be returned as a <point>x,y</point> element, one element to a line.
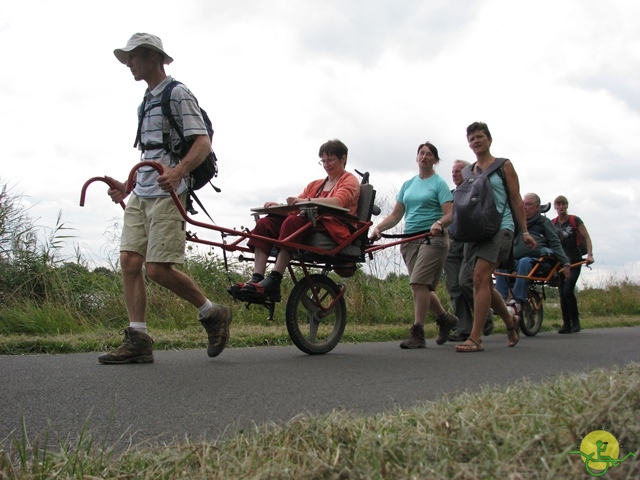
<point>566,326</point>
<point>217,327</point>
<point>269,287</point>
<point>136,348</point>
<point>416,338</point>
<point>234,290</point>
<point>446,322</point>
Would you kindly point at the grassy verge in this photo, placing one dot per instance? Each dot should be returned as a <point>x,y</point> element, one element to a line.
<point>524,431</point>
<point>243,334</point>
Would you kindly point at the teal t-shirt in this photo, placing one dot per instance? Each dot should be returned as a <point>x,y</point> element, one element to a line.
<point>423,200</point>
<point>502,205</point>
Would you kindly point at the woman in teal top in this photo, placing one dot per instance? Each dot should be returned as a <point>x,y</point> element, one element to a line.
<point>483,257</point>
<point>425,203</point>
<point>500,197</point>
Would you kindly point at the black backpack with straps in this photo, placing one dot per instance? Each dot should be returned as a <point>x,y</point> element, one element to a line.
<point>204,172</point>
<point>475,216</point>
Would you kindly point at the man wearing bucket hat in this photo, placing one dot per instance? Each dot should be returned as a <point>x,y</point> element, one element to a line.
<point>153,234</point>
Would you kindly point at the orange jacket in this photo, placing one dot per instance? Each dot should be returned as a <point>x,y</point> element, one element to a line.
<point>347,191</point>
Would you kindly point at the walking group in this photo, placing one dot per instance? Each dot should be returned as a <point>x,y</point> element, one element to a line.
<point>471,246</point>
<point>153,235</point>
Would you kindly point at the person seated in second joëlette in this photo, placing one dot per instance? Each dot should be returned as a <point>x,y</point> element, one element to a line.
<point>339,188</point>
<point>548,244</point>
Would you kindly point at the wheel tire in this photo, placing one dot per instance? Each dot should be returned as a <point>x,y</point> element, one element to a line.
<point>308,331</point>
<point>531,320</point>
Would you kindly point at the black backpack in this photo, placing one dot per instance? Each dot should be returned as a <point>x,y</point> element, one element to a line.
<point>204,172</point>
<point>475,216</point>
<point>581,244</point>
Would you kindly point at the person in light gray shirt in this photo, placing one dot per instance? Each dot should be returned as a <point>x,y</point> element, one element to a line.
<point>153,234</point>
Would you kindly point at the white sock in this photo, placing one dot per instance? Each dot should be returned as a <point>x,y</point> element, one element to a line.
<point>207,309</point>
<point>142,326</point>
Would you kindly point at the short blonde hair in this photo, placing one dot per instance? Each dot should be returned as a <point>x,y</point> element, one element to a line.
<point>561,199</point>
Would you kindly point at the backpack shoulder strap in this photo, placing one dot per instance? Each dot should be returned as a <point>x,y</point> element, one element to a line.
<point>140,118</point>
<point>496,165</point>
<point>165,104</point>
<point>574,224</point>
<point>467,172</point>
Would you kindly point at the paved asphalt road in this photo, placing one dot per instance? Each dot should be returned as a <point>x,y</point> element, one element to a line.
<point>187,393</point>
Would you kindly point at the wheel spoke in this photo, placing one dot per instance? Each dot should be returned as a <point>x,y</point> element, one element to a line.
<point>313,329</point>
<point>532,313</point>
<point>308,303</point>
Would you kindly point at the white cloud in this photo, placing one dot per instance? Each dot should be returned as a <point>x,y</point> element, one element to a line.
<point>555,81</point>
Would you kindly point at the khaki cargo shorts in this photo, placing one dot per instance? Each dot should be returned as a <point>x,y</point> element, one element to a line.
<point>154,228</point>
<point>425,262</point>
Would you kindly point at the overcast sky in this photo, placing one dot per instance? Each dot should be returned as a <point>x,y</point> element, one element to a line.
<point>556,81</point>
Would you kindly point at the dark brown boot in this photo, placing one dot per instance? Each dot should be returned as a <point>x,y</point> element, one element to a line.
<point>566,327</point>
<point>136,348</point>
<point>416,338</point>
<point>217,327</point>
<point>446,322</point>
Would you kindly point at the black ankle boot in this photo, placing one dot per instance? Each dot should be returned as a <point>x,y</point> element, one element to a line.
<point>566,328</point>
<point>575,326</point>
<point>269,287</point>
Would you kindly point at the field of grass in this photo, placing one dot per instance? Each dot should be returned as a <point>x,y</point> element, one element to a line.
<point>71,309</point>
<point>243,334</point>
<point>526,431</point>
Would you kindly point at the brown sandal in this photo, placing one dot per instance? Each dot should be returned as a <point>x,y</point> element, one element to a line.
<point>512,333</point>
<point>473,346</point>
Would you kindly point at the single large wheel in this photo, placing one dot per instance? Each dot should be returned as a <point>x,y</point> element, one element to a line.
<point>532,314</point>
<point>316,324</point>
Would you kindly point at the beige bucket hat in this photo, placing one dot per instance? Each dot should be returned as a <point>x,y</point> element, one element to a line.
<point>142,40</point>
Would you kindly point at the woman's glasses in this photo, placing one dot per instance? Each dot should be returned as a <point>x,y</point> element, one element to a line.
<point>327,160</point>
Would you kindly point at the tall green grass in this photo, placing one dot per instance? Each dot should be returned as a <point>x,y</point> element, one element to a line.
<point>70,298</point>
<point>42,293</point>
